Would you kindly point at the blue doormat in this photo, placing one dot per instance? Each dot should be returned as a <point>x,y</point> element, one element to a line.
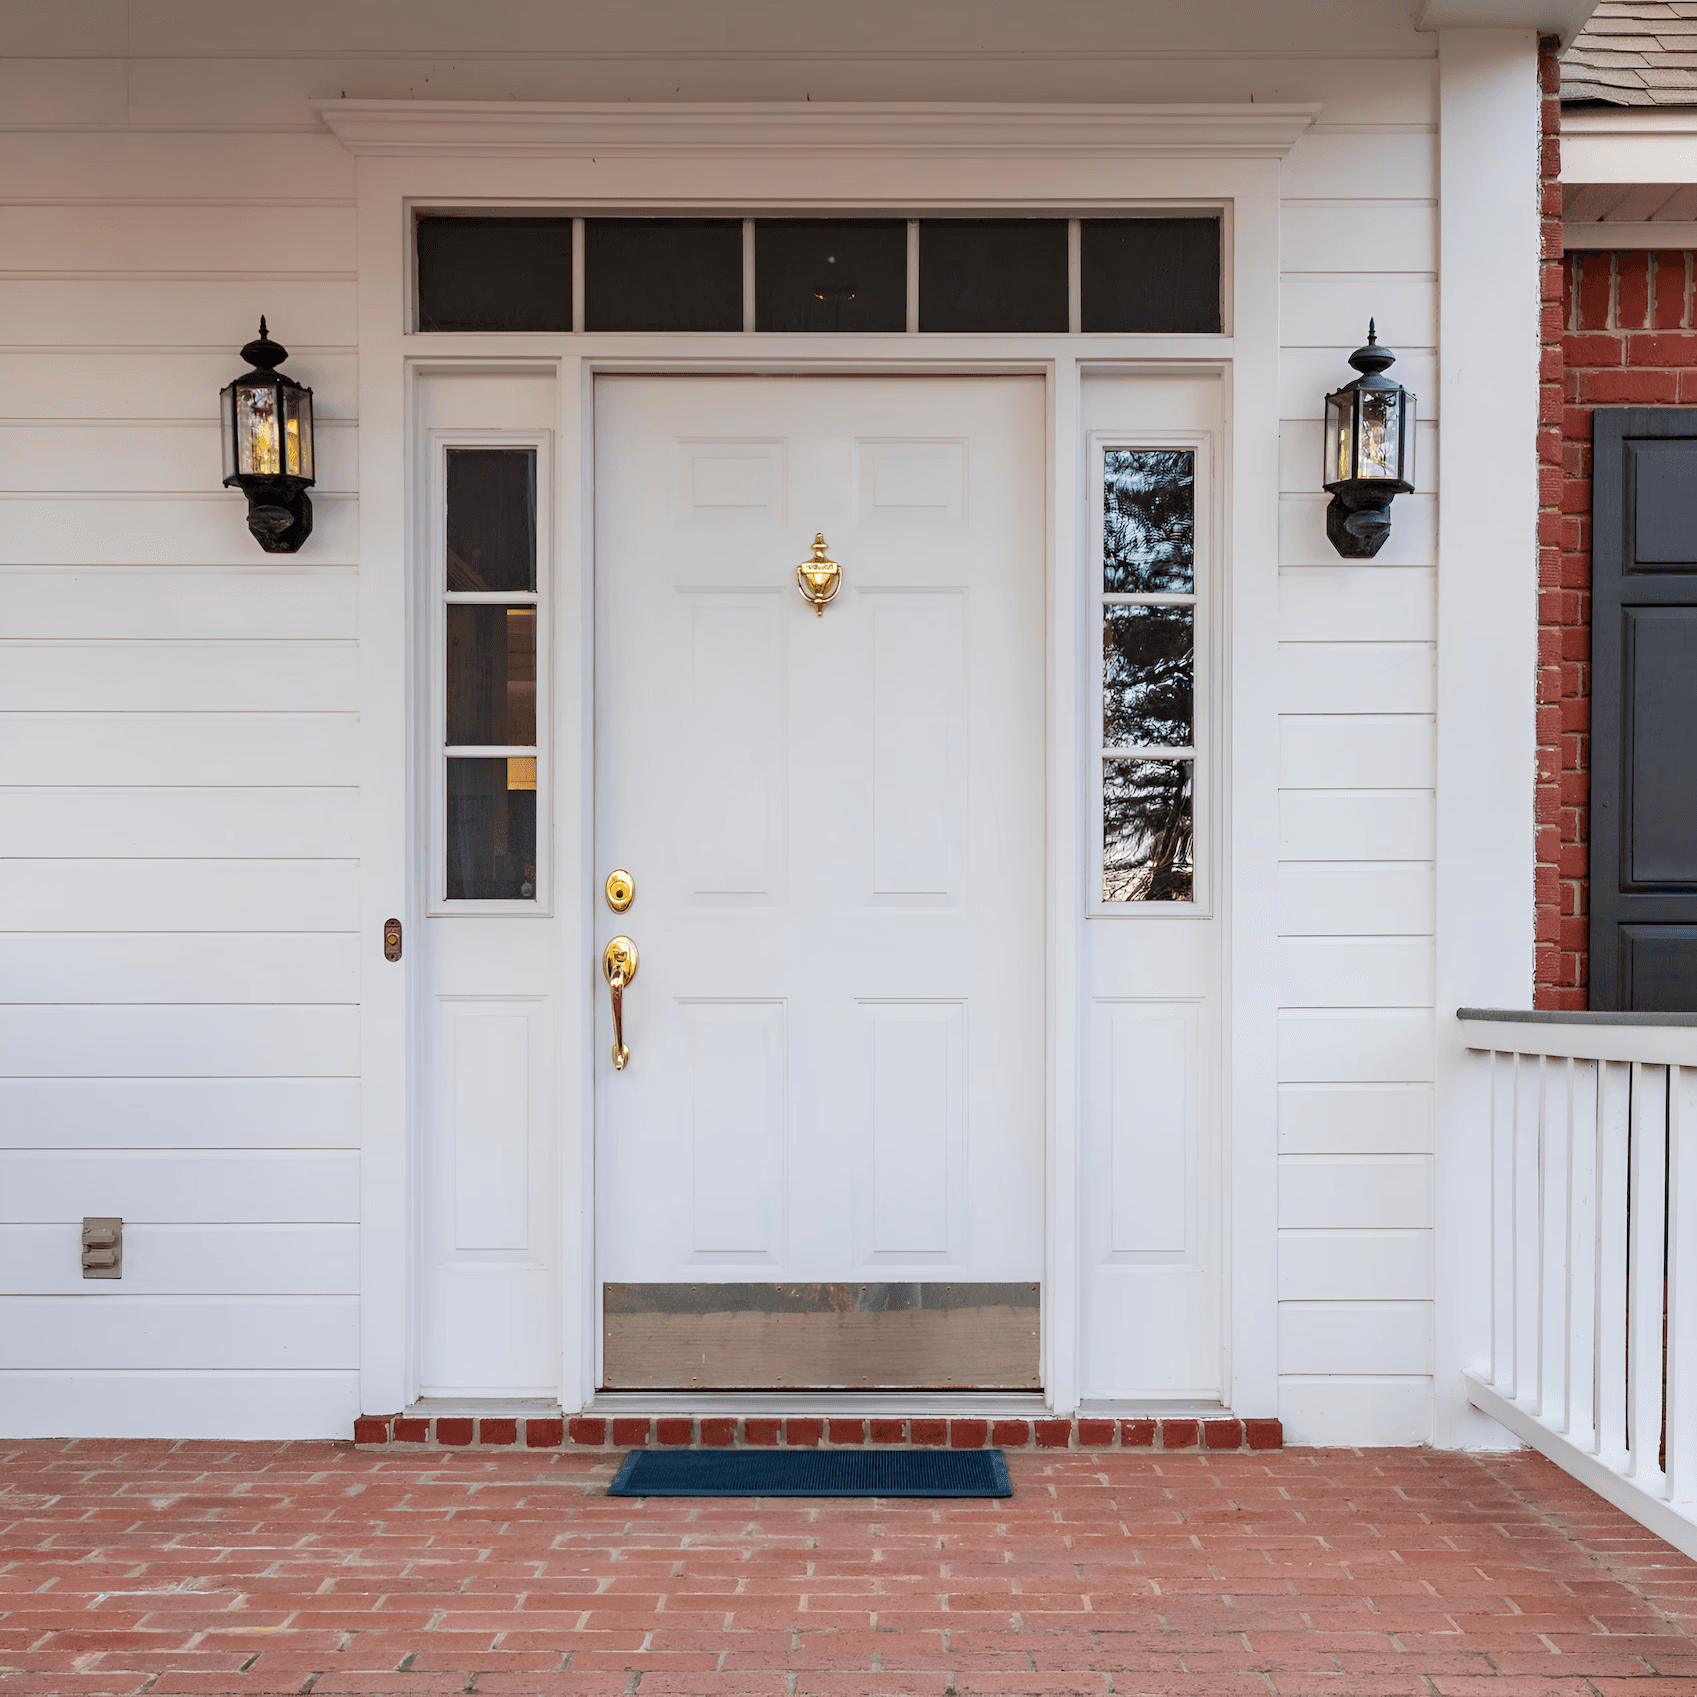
<point>812,1473</point>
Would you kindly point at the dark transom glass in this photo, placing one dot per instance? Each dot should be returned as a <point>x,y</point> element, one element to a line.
<point>830,274</point>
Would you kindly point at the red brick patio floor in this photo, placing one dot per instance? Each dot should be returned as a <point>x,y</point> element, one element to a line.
<point>219,1567</point>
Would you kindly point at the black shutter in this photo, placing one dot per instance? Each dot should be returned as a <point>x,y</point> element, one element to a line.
<point>1644,709</point>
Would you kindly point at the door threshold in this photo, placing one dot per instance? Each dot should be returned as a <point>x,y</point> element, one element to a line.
<point>1153,1408</point>
<point>496,1407</point>
<point>1017,1405</point>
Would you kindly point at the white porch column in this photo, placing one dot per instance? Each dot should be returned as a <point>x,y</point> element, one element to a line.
<point>1487,639</point>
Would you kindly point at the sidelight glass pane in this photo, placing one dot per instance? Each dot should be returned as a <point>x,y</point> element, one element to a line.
<point>491,832</point>
<point>1149,521</point>
<point>1150,274</point>
<point>1148,675</point>
<point>990,274</point>
<point>495,274</point>
<point>830,274</point>
<point>491,676</point>
<point>491,518</point>
<point>662,274</point>
<point>1148,831</point>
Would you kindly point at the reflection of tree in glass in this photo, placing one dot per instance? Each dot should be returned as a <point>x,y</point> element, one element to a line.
<point>1148,831</point>
<point>1149,521</point>
<point>1148,662</point>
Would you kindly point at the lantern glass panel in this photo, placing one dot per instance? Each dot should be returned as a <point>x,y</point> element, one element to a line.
<point>1340,418</point>
<point>297,431</point>
<point>1408,438</point>
<point>227,414</point>
<point>1380,434</point>
<point>258,444</point>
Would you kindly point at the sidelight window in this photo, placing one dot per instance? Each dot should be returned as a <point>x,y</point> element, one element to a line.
<point>489,713</point>
<point>1150,614</point>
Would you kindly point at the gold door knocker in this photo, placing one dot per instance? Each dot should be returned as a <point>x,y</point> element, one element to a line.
<point>817,578</point>
<point>618,967</point>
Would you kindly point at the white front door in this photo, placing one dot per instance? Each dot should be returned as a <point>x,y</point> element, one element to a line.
<point>823,1162</point>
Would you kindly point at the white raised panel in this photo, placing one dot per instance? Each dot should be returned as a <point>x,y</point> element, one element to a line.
<point>176,1405</point>
<point>196,1332</point>
<point>171,895</point>
<point>912,483</point>
<point>1321,898</point>
<point>1394,1266</point>
<point>1356,1409</point>
<point>209,1187</point>
<point>1355,1337</point>
<point>183,822</point>
<point>1352,753</point>
<point>184,748</point>
<point>158,1042</point>
<point>1358,1046</point>
<point>1352,677</point>
<point>174,1260</point>
<point>179,1113</point>
<point>1318,1192</point>
<point>1344,603</point>
<point>200,966</point>
<point>737,1114</point>
<point>1357,824</point>
<point>1151,1111</point>
<point>136,602</point>
<point>736,738</point>
<point>918,1055</point>
<point>491,1127</point>
<point>1380,1119</point>
<point>177,677</point>
<point>720,481</point>
<point>1366,972</point>
<point>919,743</point>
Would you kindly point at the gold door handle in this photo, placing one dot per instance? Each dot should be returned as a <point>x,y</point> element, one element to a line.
<point>618,967</point>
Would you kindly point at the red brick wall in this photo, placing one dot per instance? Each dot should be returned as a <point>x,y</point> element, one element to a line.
<point>1629,341</point>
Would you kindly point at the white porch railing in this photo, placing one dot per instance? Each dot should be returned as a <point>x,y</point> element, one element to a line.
<point>1593,1137</point>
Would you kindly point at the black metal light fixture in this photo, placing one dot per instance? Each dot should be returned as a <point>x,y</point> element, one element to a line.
<point>268,447</point>
<point>1369,447</point>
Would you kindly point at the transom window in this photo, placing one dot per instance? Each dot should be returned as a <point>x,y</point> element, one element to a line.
<point>962,275</point>
<point>1151,611</point>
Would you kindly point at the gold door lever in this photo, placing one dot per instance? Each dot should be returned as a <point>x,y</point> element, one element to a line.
<point>618,967</point>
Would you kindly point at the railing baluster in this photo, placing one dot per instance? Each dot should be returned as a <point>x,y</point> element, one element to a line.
<point>1502,1221</point>
<point>1528,1100</point>
<point>1645,1228</point>
<point>1682,1286</point>
<point>1614,1089</point>
<point>1579,1377</point>
<point>1554,1129</point>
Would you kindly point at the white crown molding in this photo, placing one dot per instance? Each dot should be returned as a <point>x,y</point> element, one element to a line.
<point>812,128</point>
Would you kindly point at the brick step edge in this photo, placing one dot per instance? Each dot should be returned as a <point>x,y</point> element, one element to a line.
<point>584,1431</point>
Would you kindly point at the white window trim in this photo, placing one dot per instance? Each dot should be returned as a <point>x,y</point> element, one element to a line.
<point>1204,708</point>
<point>439,441</point>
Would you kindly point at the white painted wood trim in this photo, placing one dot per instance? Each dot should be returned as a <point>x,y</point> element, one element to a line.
<point>1246,188</point>
<point>1629,145</point>
<point>813,128</point>
<point>1660,1045</point>
<point>1487,640</point>
<point>1646,234</point>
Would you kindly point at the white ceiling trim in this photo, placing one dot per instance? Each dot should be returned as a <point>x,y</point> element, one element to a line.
<point>812,128</point>
<point>1669,236</point>
<point>1565,18</point>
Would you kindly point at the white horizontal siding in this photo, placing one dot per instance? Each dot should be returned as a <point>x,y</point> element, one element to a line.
<point>131,1331</point>
<point>180,1187</point>
<point>89,1041</point>
<point>85,604</point>
<point>1367,972</point>
<point>186,895</point>
<point>149,455</point>
<point>117,675</point>
<point>183,1260</point>
<point>183,823</point>
<point>167,749</point>
<point>1355,1118</point>
<point>94,1114</point>
<point>222,1403</point>
<point>200,966</point>
<point>65,384</point>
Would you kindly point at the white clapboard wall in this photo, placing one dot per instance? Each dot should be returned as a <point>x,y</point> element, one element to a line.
<point>178,742</point>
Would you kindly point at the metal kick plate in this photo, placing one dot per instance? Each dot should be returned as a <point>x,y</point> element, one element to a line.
<point>821,1336</point>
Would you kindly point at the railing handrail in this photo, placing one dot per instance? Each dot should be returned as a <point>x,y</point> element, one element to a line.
<point>1656,1038</point>
<point>1573,1016</point>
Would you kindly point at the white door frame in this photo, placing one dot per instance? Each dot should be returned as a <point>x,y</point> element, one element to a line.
<point>750,160</point>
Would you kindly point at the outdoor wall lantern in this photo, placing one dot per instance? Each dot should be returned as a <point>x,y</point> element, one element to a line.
<point>268,447</point>
<point>1369,453</point>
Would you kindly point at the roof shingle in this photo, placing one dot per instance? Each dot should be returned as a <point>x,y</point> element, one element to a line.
<point>1635,53</point>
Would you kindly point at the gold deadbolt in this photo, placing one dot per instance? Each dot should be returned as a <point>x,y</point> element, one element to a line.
<point>817,578</point>
<point>621,890</point>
